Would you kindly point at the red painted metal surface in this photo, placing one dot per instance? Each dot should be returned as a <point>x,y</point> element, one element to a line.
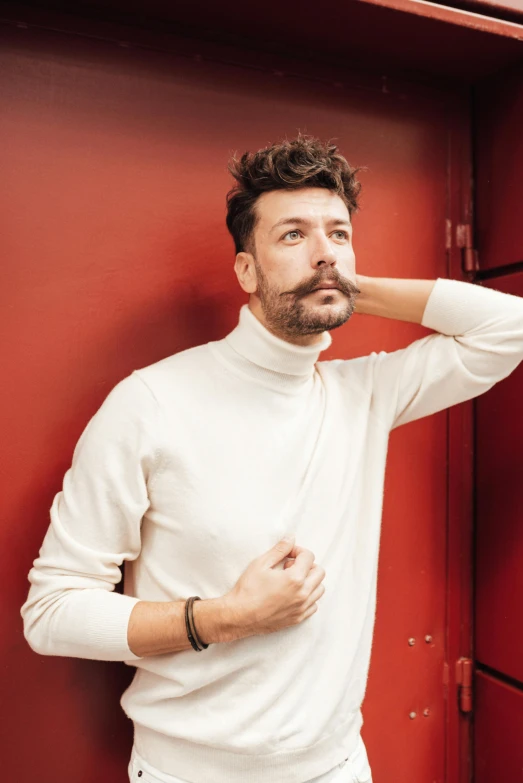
<point>511,10</point>
<point>465,679</point>
<point>499,153</point>
<point>452,13</point>
<point>460,475</point>
<point>499,536</point>
<point>460,472</point>
<point>496,6</point>
<point>498,729</point>
<point>381,36</point>
<point>114,166</point>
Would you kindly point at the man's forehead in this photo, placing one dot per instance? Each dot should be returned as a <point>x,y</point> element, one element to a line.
<point>280,206</point>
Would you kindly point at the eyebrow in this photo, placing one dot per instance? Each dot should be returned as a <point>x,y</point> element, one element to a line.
<point>299,221</point>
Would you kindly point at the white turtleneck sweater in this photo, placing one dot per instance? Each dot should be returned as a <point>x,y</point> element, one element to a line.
<point>197,464</point>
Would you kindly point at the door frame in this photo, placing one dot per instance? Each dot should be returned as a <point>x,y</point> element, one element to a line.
<point>460,496</point>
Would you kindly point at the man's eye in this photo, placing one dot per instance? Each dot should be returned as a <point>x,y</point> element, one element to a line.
<point>296,233</point>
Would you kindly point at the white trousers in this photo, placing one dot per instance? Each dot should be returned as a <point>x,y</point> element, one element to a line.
<point>355,769</point>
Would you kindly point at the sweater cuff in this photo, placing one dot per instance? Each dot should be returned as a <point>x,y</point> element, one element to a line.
<point>106,624</point>
<point>452,306</point>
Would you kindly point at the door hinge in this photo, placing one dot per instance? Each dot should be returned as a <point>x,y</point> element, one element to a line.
<point>465,242</point>
<point>464,681</point>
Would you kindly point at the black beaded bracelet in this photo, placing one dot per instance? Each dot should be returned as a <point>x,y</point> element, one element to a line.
<point>190,627</point>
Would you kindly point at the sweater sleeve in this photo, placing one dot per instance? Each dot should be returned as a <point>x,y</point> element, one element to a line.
<point>71,608</point>
<point>479,342</point>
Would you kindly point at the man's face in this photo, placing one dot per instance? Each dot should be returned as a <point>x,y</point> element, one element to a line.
<point>303,240</point>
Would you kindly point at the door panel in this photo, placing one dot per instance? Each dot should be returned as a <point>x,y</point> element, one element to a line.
<point>498,731</point>
<point>116,254</point>
<point>499,167</point>
<point>499,515</point>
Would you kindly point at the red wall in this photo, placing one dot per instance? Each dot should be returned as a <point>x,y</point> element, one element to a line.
<point>115,254</point>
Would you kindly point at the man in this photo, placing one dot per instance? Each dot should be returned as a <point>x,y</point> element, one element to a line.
<point>252,649</point>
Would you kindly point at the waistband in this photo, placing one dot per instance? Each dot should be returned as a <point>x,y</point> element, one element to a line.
<point>188,762</point>
<point>356,767</point>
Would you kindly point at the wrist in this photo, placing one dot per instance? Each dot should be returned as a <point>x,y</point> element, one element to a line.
<point>401,299</point>
<point>361,282</point>
<point>216,620</point>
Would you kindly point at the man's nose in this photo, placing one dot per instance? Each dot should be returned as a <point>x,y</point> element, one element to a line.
<point>323,253</point>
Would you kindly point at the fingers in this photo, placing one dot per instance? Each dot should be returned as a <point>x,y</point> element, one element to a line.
<point>295,551</point>
<point>315,577</point>
<point>277,553</point>
<point>291,557</point>
<point>303,563</point>
<point>314,596</point>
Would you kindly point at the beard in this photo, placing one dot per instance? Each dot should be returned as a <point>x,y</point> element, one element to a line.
<point>294,313</point>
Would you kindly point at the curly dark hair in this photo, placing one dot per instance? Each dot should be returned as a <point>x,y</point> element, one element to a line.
<point>303,162</point>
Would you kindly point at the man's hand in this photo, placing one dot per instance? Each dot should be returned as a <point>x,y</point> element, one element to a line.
<point>265,599</point>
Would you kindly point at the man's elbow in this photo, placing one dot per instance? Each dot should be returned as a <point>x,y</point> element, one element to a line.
<point>36,621</point>
<point>37,641</point>
<point>36,635</point>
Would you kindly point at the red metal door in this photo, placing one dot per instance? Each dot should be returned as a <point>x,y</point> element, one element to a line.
<point>499,156</point>
<point>499,434</point>
<point>499,575</point>
<point>116,254</point>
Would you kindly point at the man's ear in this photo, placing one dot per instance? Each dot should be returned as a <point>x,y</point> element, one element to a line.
<point>246,272</point>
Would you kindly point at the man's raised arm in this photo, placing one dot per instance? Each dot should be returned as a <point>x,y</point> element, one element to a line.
<point>478,342</point>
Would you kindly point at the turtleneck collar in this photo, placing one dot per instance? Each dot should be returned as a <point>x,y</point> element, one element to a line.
<point>253,341</point>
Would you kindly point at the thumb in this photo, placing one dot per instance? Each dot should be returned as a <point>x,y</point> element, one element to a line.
<point>279,551</point>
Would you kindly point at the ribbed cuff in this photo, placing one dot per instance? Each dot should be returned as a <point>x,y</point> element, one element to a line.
<point>106,624</point>
<point>455,307</point>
